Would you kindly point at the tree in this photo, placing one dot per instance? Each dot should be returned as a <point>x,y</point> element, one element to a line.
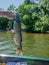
<point>3,23</point>
<point>34,16</point>
<point>27,2</point>
<point>11,8</point>
<point>45,6</point>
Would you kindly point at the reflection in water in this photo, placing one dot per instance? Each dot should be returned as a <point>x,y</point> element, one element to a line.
<point>36,45</point>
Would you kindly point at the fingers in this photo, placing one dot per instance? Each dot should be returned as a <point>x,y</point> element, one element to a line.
<point>19,52</point>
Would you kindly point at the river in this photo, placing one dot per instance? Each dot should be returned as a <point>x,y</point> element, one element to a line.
<point>35,45</point>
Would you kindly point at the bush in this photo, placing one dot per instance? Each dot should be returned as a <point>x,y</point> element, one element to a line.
<point>5,24</point>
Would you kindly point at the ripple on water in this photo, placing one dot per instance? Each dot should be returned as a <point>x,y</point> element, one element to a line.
<point>33,44</point>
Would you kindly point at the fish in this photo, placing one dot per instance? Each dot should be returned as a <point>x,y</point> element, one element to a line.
<point>17,33</point>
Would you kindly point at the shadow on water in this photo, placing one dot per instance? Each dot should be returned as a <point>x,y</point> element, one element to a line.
<point>36,45</point>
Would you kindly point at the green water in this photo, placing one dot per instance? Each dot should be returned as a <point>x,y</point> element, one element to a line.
<point>35,45</point>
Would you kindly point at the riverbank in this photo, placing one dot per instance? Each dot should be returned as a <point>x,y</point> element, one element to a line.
<point>12,31</point>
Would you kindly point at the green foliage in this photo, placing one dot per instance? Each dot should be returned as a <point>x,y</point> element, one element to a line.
<point>5,24</point>
<point>34,16</point>
<point>28,23</point>
<point>10,25</point>
<point>27,2</point>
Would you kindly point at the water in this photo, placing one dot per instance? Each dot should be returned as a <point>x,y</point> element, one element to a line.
<point>35,45</point>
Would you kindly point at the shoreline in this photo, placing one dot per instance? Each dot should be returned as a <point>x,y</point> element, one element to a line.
<point>12,31</point>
